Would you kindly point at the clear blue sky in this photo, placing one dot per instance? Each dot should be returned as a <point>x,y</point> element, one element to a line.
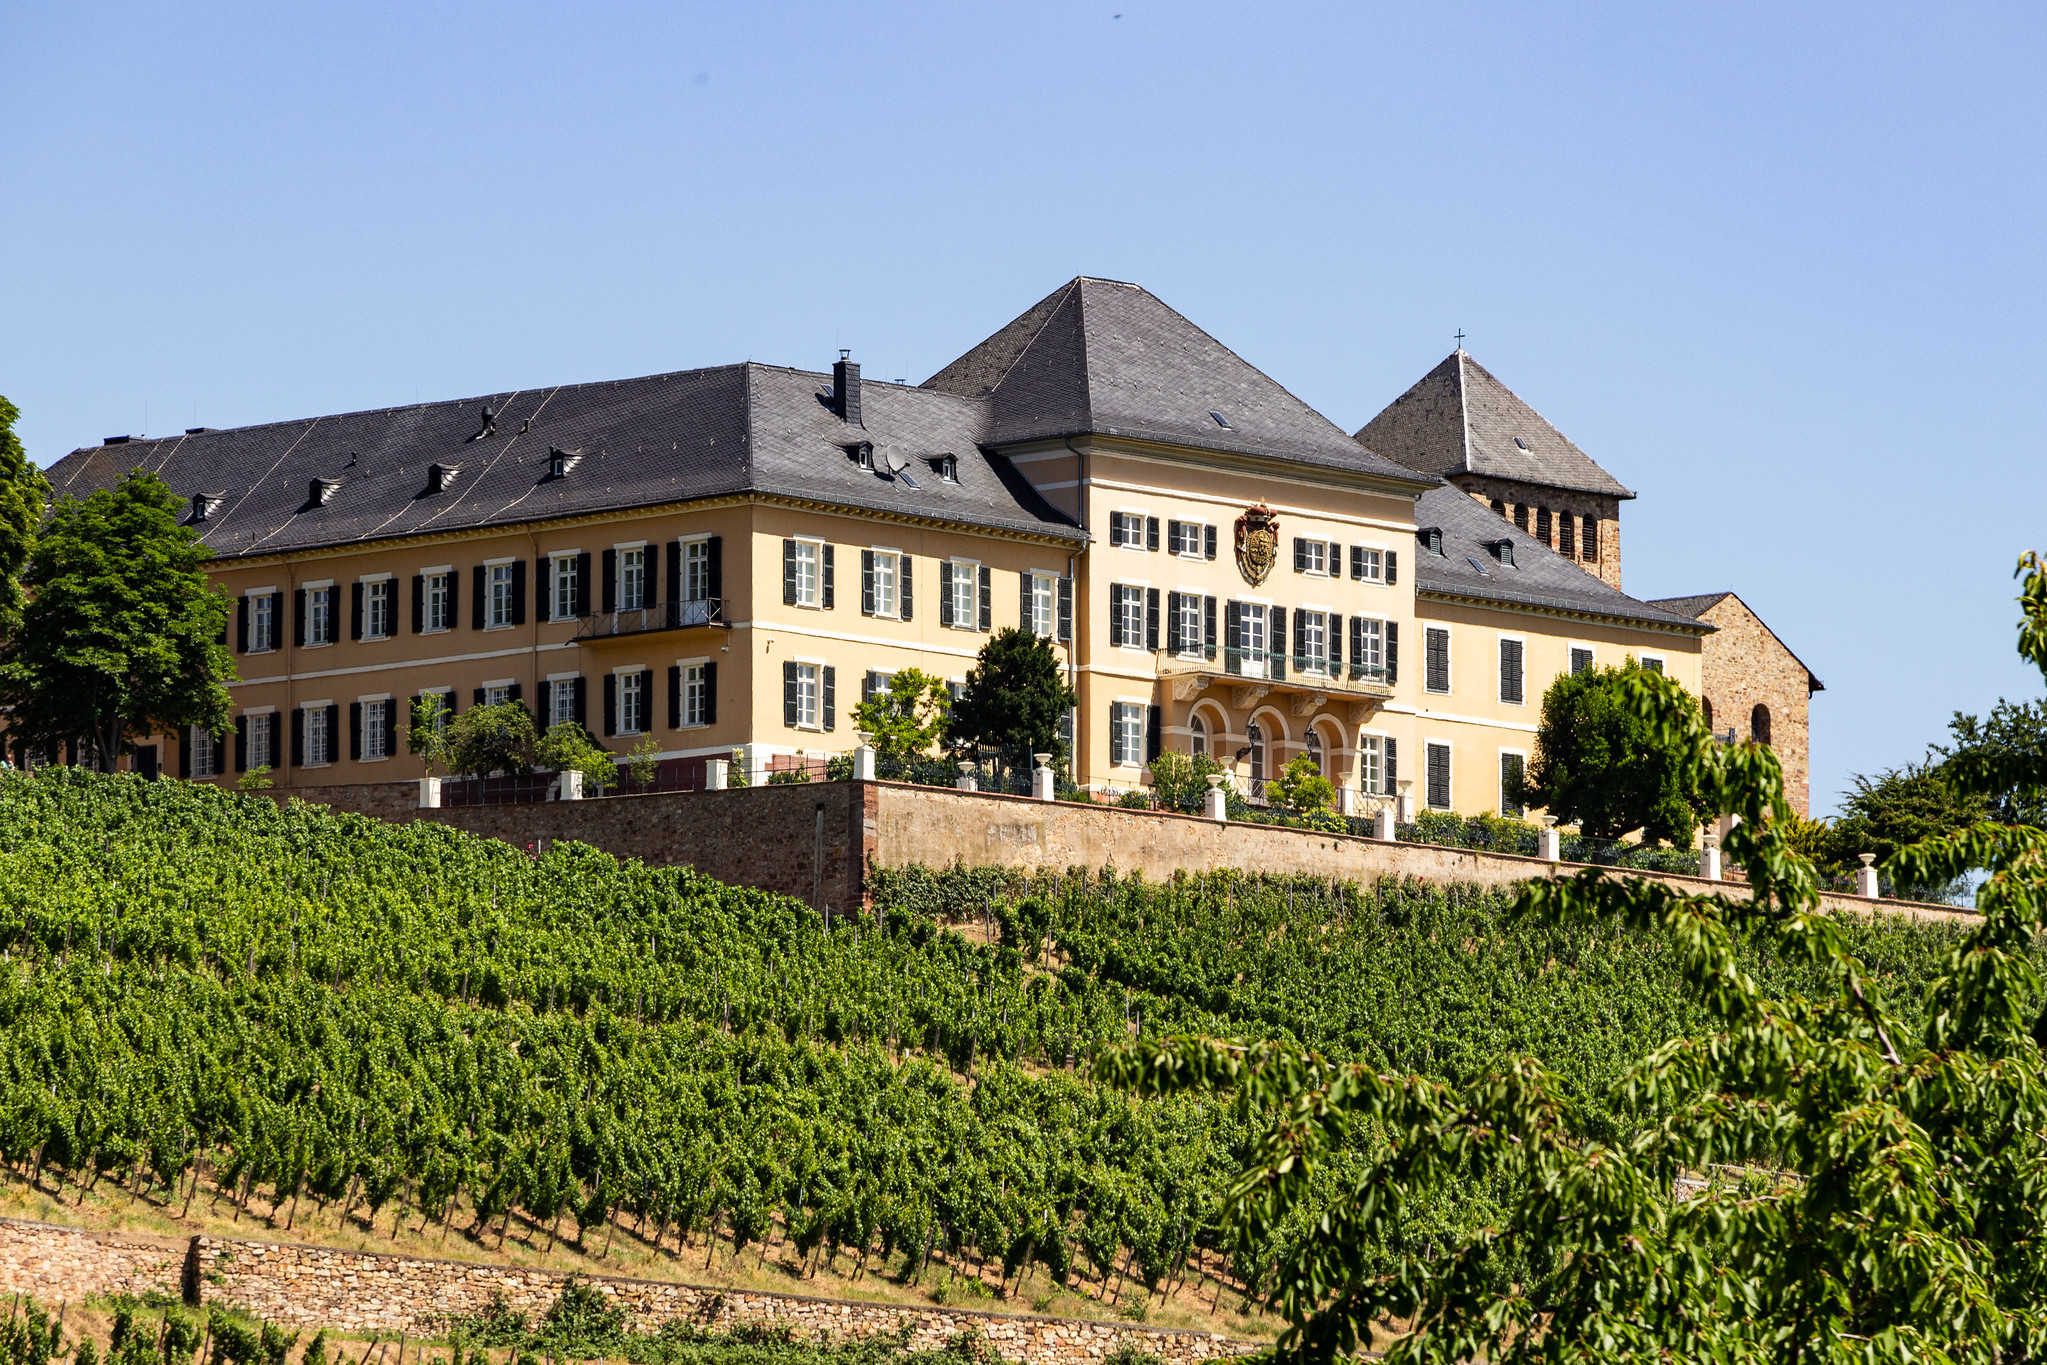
<point>1779,268</point>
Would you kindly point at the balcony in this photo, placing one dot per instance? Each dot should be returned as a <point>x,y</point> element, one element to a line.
<point>1309,682</point>
<point>608,625</point>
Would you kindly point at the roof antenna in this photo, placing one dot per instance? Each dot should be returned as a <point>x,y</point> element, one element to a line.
<point>490,425</point>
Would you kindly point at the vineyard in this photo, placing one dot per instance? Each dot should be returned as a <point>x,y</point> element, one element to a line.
<point>405,1020</point>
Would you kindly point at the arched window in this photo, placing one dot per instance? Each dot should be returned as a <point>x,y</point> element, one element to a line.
<point>1542,524</point>
<point>1589,542</point>
<point>1256,736</point>
<point>1520,516</point>
<point>1567,540</point>
<point>1499,508</point>
<point>1759,724</point>
<point>1197,731</point>
<point>1706,706</point>
<point>1315,752</point>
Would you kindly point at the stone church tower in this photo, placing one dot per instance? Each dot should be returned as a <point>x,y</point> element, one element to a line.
<point>1463,424</point>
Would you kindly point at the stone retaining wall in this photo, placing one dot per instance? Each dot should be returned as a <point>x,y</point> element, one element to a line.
<point>312,1287</point>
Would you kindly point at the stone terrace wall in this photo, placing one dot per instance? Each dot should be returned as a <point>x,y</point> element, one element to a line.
<point>63,1265</point>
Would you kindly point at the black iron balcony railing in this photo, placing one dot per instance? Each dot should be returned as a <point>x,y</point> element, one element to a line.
<point>702,611</point>
<point>1279,666</point>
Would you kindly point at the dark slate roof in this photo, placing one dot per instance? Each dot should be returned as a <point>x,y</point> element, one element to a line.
<point>1101,357</point>
<point>1540,577</point>
<point>1698,606</point>
<point>1458,419</point>
<point>735,429</point>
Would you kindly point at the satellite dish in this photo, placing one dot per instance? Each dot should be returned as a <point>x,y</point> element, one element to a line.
<point>897,461</point>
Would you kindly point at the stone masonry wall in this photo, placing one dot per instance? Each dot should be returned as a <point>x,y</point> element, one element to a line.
<point>63,1265</point>
<point>1743,664</point>
<point>312,1287</point>
<point>1603,508</point>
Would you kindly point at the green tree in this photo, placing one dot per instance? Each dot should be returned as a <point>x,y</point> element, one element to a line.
<point>1014,698</point>
<point>1181,780</point>
<point>496,737</point>
<point>1860,1192</point>
<point>24,494</point>
<point>1895,810</point>
<point>1602,765</point>
<point>122,632</point>
<point>2002,747</point>
<point>1301,788</point>
<point>568,747</point>
<point>427,736</point>
<point>909,718</point>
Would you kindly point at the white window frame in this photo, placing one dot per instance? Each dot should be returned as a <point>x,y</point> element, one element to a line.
<point>262,620</point>
<point>320,755</point>
<point>1044,621</point>
<point>1449,662</point>
<point>1255,656</point>
<point>1193,540</point>
<point>1126,737</point>
<point>497,614</point>
<point>437,583</point>
<point>1521,754</point>
<point>319,615</point>
<point>632,571</point>
<point>692,693</point>
<point>1193,644</point>
<point>1449,774</point>
<point>1662,663</point>
<point>1129,608</point>
<point>888,569</point>
<point>564,568</point>
<point>1199,741</point>
<point>1375,564</point>
<point>634,705</point>
<point>373,727</point>
<point>1126,529</point>
<point>260,755</point>
<point>810,694</point>
<point>203,746</point>
<point>379,600</point>
<point>1372,763</point>
<point>1317,552</point>
<point>809,573</point>
<point>1312,662</point>
<point>966,579</point>
<point>1378,643</point>
<point>696,568</point>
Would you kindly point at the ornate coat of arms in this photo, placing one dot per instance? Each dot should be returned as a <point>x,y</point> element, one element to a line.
<point>1257,543</point>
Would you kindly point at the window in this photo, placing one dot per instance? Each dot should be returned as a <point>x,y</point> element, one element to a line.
<point>1567,540</point>
<point>1436,659</point>
<point>500,588</point>
<point>694,706</point>
<point>1520,516</point>
<point>1314,640</point>
<point>263,622</point>
<point>696,571</point>
<point>1251,639</point>
<point>260,730</point>
<point>1581,658</point>
<point>632,579</point>
<point>1367,647</point>
<point>807,697</point>
<point>885,583</point>
<point>1588,544</point>
<point>376,729</point>
<point>1706,709</point>
<point>1511,765</point>
<point>1431,538</point>
<point>1255,741</point>
<point>1439,776</point>
<point>319,743</point>
<point>1126,734</point>
<point>1503,551</point>
<point>1197,737</point>
<point>495,694</point>
<point>1128,530</point>
<point>561,701</point>
<point>1191,623</point>
<point>205,753</point>
<point>1652,662</point>
<point>1542,525</point>
<point>949,468</point>
<point>1044,617</point>
<point>1126,626</point>
<point>1511,690</point>
<point>965,610</point>
<point>320,617</point>
<point>1189,539</point>
<point>1370,781</point>
<point>632,702</point>
<point>1314,751</point>
<point>566,583</point>
<point>1311,556</point>
<point>1759,725</point>
<point>376,609</point>
<point>439,606</point>
<point>1367,565</point>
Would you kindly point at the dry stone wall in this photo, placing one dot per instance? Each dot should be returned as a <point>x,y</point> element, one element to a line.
<point>64,1265</point>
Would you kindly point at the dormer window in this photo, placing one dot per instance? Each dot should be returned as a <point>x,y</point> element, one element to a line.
<point>203,505</point>
<point>863,455</point>
<point>1503,550</point>
<point>441,477</point>
<point>320,492</point>
<point>560,462</point>
<point>948,467</point>
<point>1431,538</point>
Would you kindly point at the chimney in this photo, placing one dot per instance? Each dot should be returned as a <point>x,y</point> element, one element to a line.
<point>846,390</point>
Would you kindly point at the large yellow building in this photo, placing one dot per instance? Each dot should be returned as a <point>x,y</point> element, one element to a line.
<point>731,558</point>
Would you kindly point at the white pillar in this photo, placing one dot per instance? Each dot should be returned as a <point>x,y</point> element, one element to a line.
<point>753,762</point>
<point>1865,877</point>
<point>1347,798</point>
<point>1044,782</point>
<point>429,793</point>
<point>1709,858</point>
<point>1403,809</point>
<point>863,763</point>
<point>1382,823</point>
<point>1215,805</point>
<point>967,782</point>
<point>571,783</point>
<point>715,770</point>
<point>1550,843</point>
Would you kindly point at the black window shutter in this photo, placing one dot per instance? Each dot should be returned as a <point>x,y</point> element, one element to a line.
<point>355,611</point>
<point>1357,639</point>
<point>1066,610</point>
<point>715,567</point>
<point>826,554</point>
<point>1333,561</point>
<point>481,592</point>
<point>1023,599</point>
<point>1152,741</point>
<point>945,592</point>
<point>391,728</point>
<point>578,701</point>
<point>1115,528</point>
<point>298,617</point>
<point>242,626</point>
<point>454,581</point>
<point>1174,642</point>
<point>675,696</point>
<point>867,687</point>
<point>611,703</point>
<point>674,573</point>
<point>1357,561</point>
<point>1233,637</point>
<point>582,602</point>
<point>355,732</point>
<point>1335,642</point>
<point>1115,732</point>
<point>987,596</point>
<point>298,737</point>
<point>1208,626</point>
<point>789,573</point>
<point>1392,763</point>
<point>1300,555</point>
<point>610,580</point>
<point>1151,619</point>
<point>789,709</point>
<point>1208,542</point>
<point>1393,651</point>
<point>1275,642</point>
<point>514,692</point>
<point>1151,533</point>
<point>1175,541</point>
<point>831,697</point>
<point>710,694</point>
<point>1300,642</point>
<point>518,592</point>
<point>477,700</point>
<point>418,603</point>
<point>1392,566</point>
<point>1116,632</point>
<point>903,587</point>
<point>867,582</point>
<point>241,744</point>
<point>185,751</point>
